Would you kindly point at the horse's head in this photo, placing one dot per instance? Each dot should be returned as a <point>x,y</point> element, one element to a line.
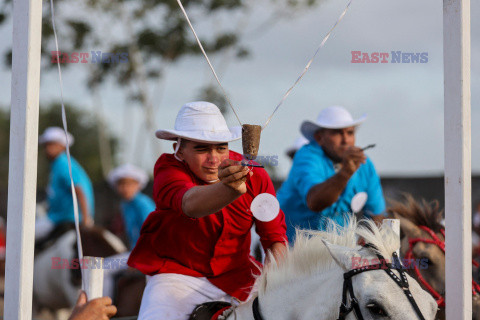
<point>379,296</point>
<point>309,283</point>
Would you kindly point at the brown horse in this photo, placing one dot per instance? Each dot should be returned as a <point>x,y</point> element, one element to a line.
<point>422,236</point>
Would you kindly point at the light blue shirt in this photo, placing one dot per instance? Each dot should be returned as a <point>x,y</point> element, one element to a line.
<point>311,166</point>
<point>134,214</point>
<point>59,192</point>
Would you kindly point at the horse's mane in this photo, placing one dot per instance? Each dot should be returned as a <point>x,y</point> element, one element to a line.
<point>310,256</point>
<point>422,213</point>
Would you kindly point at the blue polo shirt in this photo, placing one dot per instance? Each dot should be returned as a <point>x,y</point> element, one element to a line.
<point>134,214</point>
<point>312,166</point>
<point>59,194</point>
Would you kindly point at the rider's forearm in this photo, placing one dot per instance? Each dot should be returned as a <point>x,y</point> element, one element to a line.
<point>200,201</point>
<point>82,201</point>
<point>326,193</point>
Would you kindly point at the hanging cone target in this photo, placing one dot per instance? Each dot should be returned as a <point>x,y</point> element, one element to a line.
<point>251,140</point>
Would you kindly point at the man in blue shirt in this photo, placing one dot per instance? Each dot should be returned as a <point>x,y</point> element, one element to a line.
<point>59,195</point>
<point>328,173</point>
<point>128,180</point>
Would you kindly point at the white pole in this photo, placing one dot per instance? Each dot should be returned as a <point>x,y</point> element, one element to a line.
<point>456,55</point>
<point>22,180</point>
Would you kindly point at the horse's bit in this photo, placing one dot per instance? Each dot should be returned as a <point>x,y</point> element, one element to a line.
<point>348,287</point>
<point>441,244</point>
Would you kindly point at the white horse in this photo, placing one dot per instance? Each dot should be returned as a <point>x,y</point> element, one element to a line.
<point>308,284</point>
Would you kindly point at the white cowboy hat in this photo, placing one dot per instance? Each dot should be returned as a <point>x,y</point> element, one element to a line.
<point>334,117</point>
<point>299,142</point>
<point>128,171</point>
<point>55,134</point>
<point>201,121</point>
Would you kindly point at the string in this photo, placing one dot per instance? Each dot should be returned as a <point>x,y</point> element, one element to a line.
<point>65,129</point>
<point>295,83</point>
<point>208,60</point>
<point>308,64</point>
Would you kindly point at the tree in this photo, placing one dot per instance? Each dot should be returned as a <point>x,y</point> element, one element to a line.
<point>151,35</point>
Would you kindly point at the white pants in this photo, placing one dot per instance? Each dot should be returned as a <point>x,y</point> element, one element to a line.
<point>170,296</point>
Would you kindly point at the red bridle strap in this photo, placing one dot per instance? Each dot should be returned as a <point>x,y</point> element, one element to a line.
<point>441,244</point>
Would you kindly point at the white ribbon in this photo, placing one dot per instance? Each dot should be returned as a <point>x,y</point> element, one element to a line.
<point>65,128</point>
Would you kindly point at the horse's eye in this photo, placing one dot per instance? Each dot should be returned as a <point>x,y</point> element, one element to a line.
<point>376,310</point>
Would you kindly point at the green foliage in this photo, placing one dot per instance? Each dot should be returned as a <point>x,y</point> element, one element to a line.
<point>4,137</point>
<point>212,94</point>
<point>156,30</point>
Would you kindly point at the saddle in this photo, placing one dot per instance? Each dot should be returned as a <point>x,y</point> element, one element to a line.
<point>209,310</point>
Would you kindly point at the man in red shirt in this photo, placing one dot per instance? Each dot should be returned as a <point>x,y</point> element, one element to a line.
<point>195,247</point>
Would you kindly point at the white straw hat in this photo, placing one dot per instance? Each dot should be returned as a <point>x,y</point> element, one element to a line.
<point>201,121</point>
<point>334,117</point>
<point>55,134</point>
<point>128,171</point>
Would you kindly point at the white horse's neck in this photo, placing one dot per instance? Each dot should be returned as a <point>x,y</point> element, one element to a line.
<point>294,300</point>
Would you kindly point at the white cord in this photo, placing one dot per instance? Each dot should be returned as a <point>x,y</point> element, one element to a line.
<point>308,64</point>
<point>291,88</point>
<point>208,60</point>
<point>65,128</point>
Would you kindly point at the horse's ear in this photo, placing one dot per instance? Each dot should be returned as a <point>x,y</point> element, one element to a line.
<point>407,227</point>
<point>344,257</point>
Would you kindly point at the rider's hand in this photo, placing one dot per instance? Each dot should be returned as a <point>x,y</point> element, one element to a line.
<point>352,159</point>
<point>233,175</point>
<point>96,309</point>
<point>88,222</point>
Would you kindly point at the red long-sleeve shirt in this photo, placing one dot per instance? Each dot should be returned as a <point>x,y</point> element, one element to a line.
<point>216,246</point>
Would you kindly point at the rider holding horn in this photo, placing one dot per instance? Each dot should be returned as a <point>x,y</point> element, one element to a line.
<point>328,173</point>
<point>195,246</point>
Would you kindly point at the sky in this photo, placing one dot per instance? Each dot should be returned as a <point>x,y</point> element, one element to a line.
<point>403,101</point>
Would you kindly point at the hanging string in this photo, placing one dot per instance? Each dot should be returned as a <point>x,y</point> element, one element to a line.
<point>308,64</point>
<point>208,60</point>
<point>296,82</point>
<point>65,128</point>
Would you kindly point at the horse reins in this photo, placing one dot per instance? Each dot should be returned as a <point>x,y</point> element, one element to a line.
<point>441,244</point>
<point>402,282</point>
<point>348,288</point>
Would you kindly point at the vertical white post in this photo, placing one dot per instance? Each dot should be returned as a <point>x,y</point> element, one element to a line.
<point>22,179</point>
<point>456,55</point>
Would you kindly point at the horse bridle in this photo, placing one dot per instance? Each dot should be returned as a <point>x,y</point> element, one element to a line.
<point>348,288</point>
<point>441,244</point>
<point>402,282</point>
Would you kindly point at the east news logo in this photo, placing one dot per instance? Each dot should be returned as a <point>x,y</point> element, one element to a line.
<point>86,57</point>
<point>392,57</point>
